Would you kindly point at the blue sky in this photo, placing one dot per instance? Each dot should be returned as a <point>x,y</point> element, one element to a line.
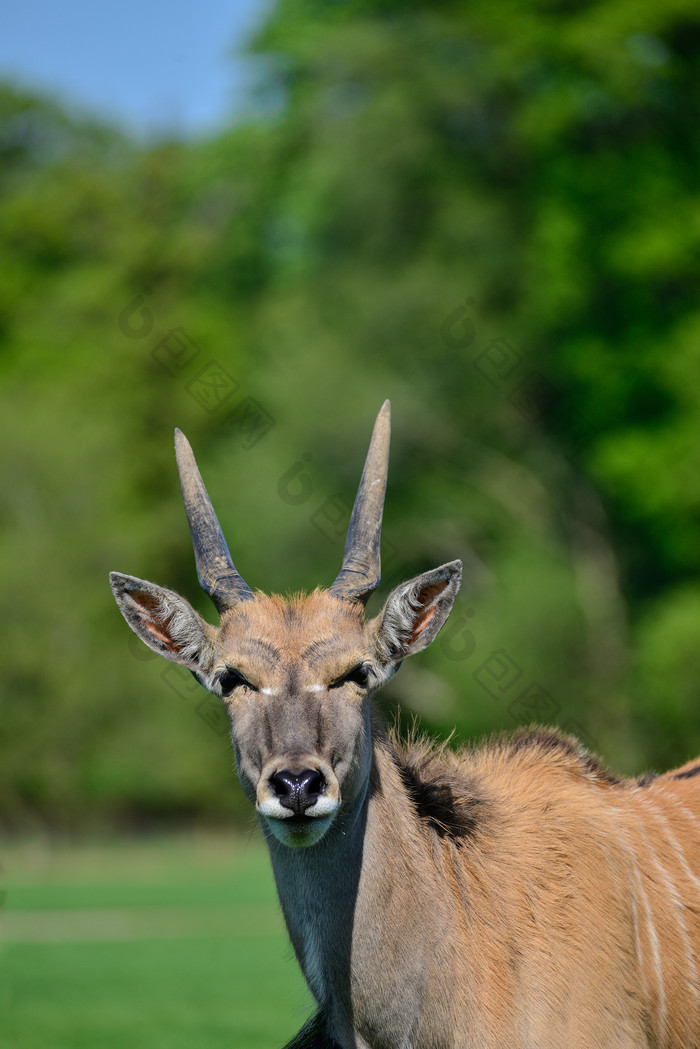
<point>155,67</point>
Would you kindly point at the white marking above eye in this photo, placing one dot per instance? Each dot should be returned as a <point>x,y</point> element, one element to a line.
<point>269,691</point>
<point>314,688</point>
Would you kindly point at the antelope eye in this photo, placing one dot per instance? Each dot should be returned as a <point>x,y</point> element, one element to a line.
<point>230,679</point>
<point>359,675</point>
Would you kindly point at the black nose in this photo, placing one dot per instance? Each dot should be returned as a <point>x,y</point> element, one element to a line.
<point>298,790</point>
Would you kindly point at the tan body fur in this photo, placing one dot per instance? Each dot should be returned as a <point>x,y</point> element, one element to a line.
<point>511,895</point>
<point>570,916</point>
<point>514,896</point>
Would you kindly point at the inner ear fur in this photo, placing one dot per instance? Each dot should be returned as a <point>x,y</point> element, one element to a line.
<point>164,621</point>
<point>415,611</point>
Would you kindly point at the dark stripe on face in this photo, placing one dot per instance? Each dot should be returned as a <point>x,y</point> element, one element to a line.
<point>318,650</point>
<point>268,728</point>
<point>320,726</point>
<point>292,687</point>
<point>255,645</point>
<point>313,651</point>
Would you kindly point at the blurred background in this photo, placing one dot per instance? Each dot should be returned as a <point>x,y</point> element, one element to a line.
<point>256,222</point>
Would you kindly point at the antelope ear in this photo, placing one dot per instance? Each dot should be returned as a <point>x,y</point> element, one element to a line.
<point>165,622</point>
<point>415,611</point>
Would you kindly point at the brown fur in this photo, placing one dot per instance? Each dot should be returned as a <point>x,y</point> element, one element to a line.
<point>579,893</point>
<point>514,894</point>
<point>510,895</point>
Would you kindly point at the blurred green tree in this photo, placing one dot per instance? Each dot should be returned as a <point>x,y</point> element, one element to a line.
<point>489,215</point>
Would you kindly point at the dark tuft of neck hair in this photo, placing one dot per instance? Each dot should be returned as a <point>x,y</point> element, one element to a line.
<point>448,801</point>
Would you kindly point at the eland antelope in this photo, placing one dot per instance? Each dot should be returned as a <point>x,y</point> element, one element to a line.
<point>511,896</point>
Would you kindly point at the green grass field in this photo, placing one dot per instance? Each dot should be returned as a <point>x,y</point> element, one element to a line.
<point>173,943</point>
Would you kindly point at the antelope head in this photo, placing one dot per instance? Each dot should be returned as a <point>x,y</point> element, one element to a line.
<point>295,674</point>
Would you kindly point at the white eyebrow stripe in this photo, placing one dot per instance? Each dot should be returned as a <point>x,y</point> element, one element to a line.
<point>269,691</point>
<point>314,688</point>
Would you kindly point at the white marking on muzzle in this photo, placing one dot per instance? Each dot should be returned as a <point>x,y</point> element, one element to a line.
<point>275,810</point>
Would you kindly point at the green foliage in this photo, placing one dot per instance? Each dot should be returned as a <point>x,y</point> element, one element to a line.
<point>490,216</point>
